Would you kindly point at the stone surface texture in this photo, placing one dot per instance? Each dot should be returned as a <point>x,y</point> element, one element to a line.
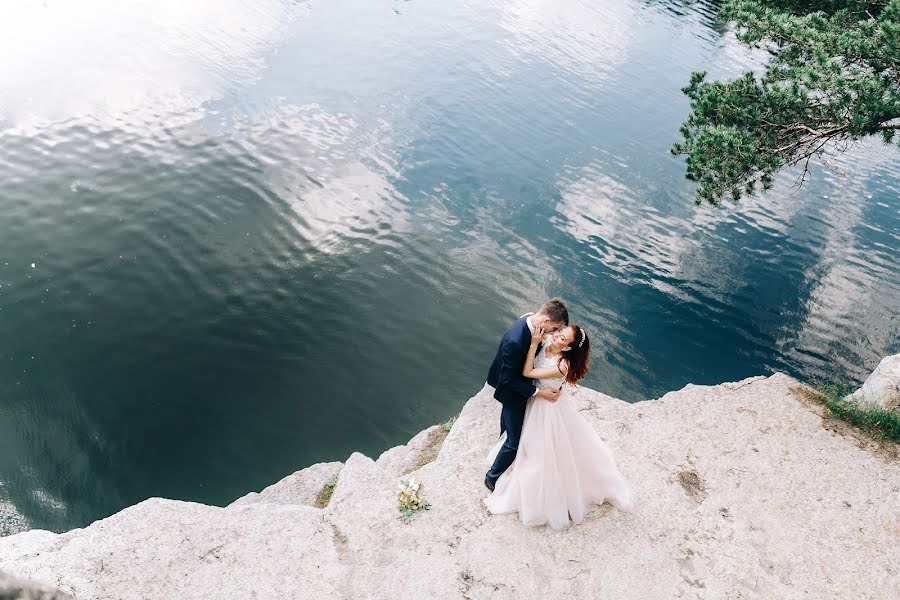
<point>13,588</point>
<point>743,492</point>
<point>882,388</point>
<point>303,487</point>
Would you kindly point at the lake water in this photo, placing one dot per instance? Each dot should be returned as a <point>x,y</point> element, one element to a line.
<point>238,238</point>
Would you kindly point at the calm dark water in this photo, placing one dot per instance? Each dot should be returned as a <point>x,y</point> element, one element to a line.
<point>239,238</point>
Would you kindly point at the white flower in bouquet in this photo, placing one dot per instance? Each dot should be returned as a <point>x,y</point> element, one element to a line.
<point>410,499</point>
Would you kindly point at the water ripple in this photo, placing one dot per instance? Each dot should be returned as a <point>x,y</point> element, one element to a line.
<point>242,238</point>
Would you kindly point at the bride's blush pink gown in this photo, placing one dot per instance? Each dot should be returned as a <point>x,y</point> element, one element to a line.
<point>561,468</point>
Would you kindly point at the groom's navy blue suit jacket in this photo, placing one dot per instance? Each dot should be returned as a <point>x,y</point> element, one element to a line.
<point>505,374</point>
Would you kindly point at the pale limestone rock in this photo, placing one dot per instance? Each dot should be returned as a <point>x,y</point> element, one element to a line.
<point>741,494</point>
<point>882,388</point>
<point>169,549</point>
<point>401,460</point>
<point>302,487</point>
<point>12,588</point>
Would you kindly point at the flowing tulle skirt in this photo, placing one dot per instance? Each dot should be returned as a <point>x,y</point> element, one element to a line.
<point>561,468</point>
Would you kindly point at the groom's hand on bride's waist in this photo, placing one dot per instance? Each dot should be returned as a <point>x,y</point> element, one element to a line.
<point>548,394</point>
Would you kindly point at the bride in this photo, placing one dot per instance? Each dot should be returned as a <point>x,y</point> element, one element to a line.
<point>562,465</point>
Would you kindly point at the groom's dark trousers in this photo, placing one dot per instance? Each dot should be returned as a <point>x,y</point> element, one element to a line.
<point>512,390</point>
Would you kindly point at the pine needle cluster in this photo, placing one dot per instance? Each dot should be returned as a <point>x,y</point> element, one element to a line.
<point>833,78</point>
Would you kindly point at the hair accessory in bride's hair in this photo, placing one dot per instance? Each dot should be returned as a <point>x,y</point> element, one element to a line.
<point>583,336</point>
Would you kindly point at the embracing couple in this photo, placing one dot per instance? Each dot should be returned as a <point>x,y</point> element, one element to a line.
<point>549,463</point>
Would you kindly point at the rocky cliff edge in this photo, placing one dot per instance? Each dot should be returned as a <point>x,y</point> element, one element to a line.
<point>745,490</point>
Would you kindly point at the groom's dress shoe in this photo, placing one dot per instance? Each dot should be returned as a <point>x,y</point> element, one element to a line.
<point>488,484</point>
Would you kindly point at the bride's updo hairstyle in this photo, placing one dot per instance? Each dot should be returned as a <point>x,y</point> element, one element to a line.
<point>578,355</point>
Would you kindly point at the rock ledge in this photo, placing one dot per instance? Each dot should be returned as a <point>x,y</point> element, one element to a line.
<point>742,493</point>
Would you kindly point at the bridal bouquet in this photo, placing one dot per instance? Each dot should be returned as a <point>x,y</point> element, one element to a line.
<point>409,495</point>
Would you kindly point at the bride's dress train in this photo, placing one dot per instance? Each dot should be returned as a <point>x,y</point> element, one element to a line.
<point>561,468</point>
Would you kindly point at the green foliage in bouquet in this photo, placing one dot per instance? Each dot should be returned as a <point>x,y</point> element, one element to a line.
<point>410,499</point>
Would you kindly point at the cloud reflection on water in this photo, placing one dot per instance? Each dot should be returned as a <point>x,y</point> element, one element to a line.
<point>853,285</point>
<point>139,60</point>
<point>704,256</point>
<point>333,173</point>
<point>583,38</point>
<point>630,235</point>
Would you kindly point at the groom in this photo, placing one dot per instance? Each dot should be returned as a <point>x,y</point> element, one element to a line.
<point>511,388</point>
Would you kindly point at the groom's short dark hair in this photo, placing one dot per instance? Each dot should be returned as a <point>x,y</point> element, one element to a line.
<point>556,310</point>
